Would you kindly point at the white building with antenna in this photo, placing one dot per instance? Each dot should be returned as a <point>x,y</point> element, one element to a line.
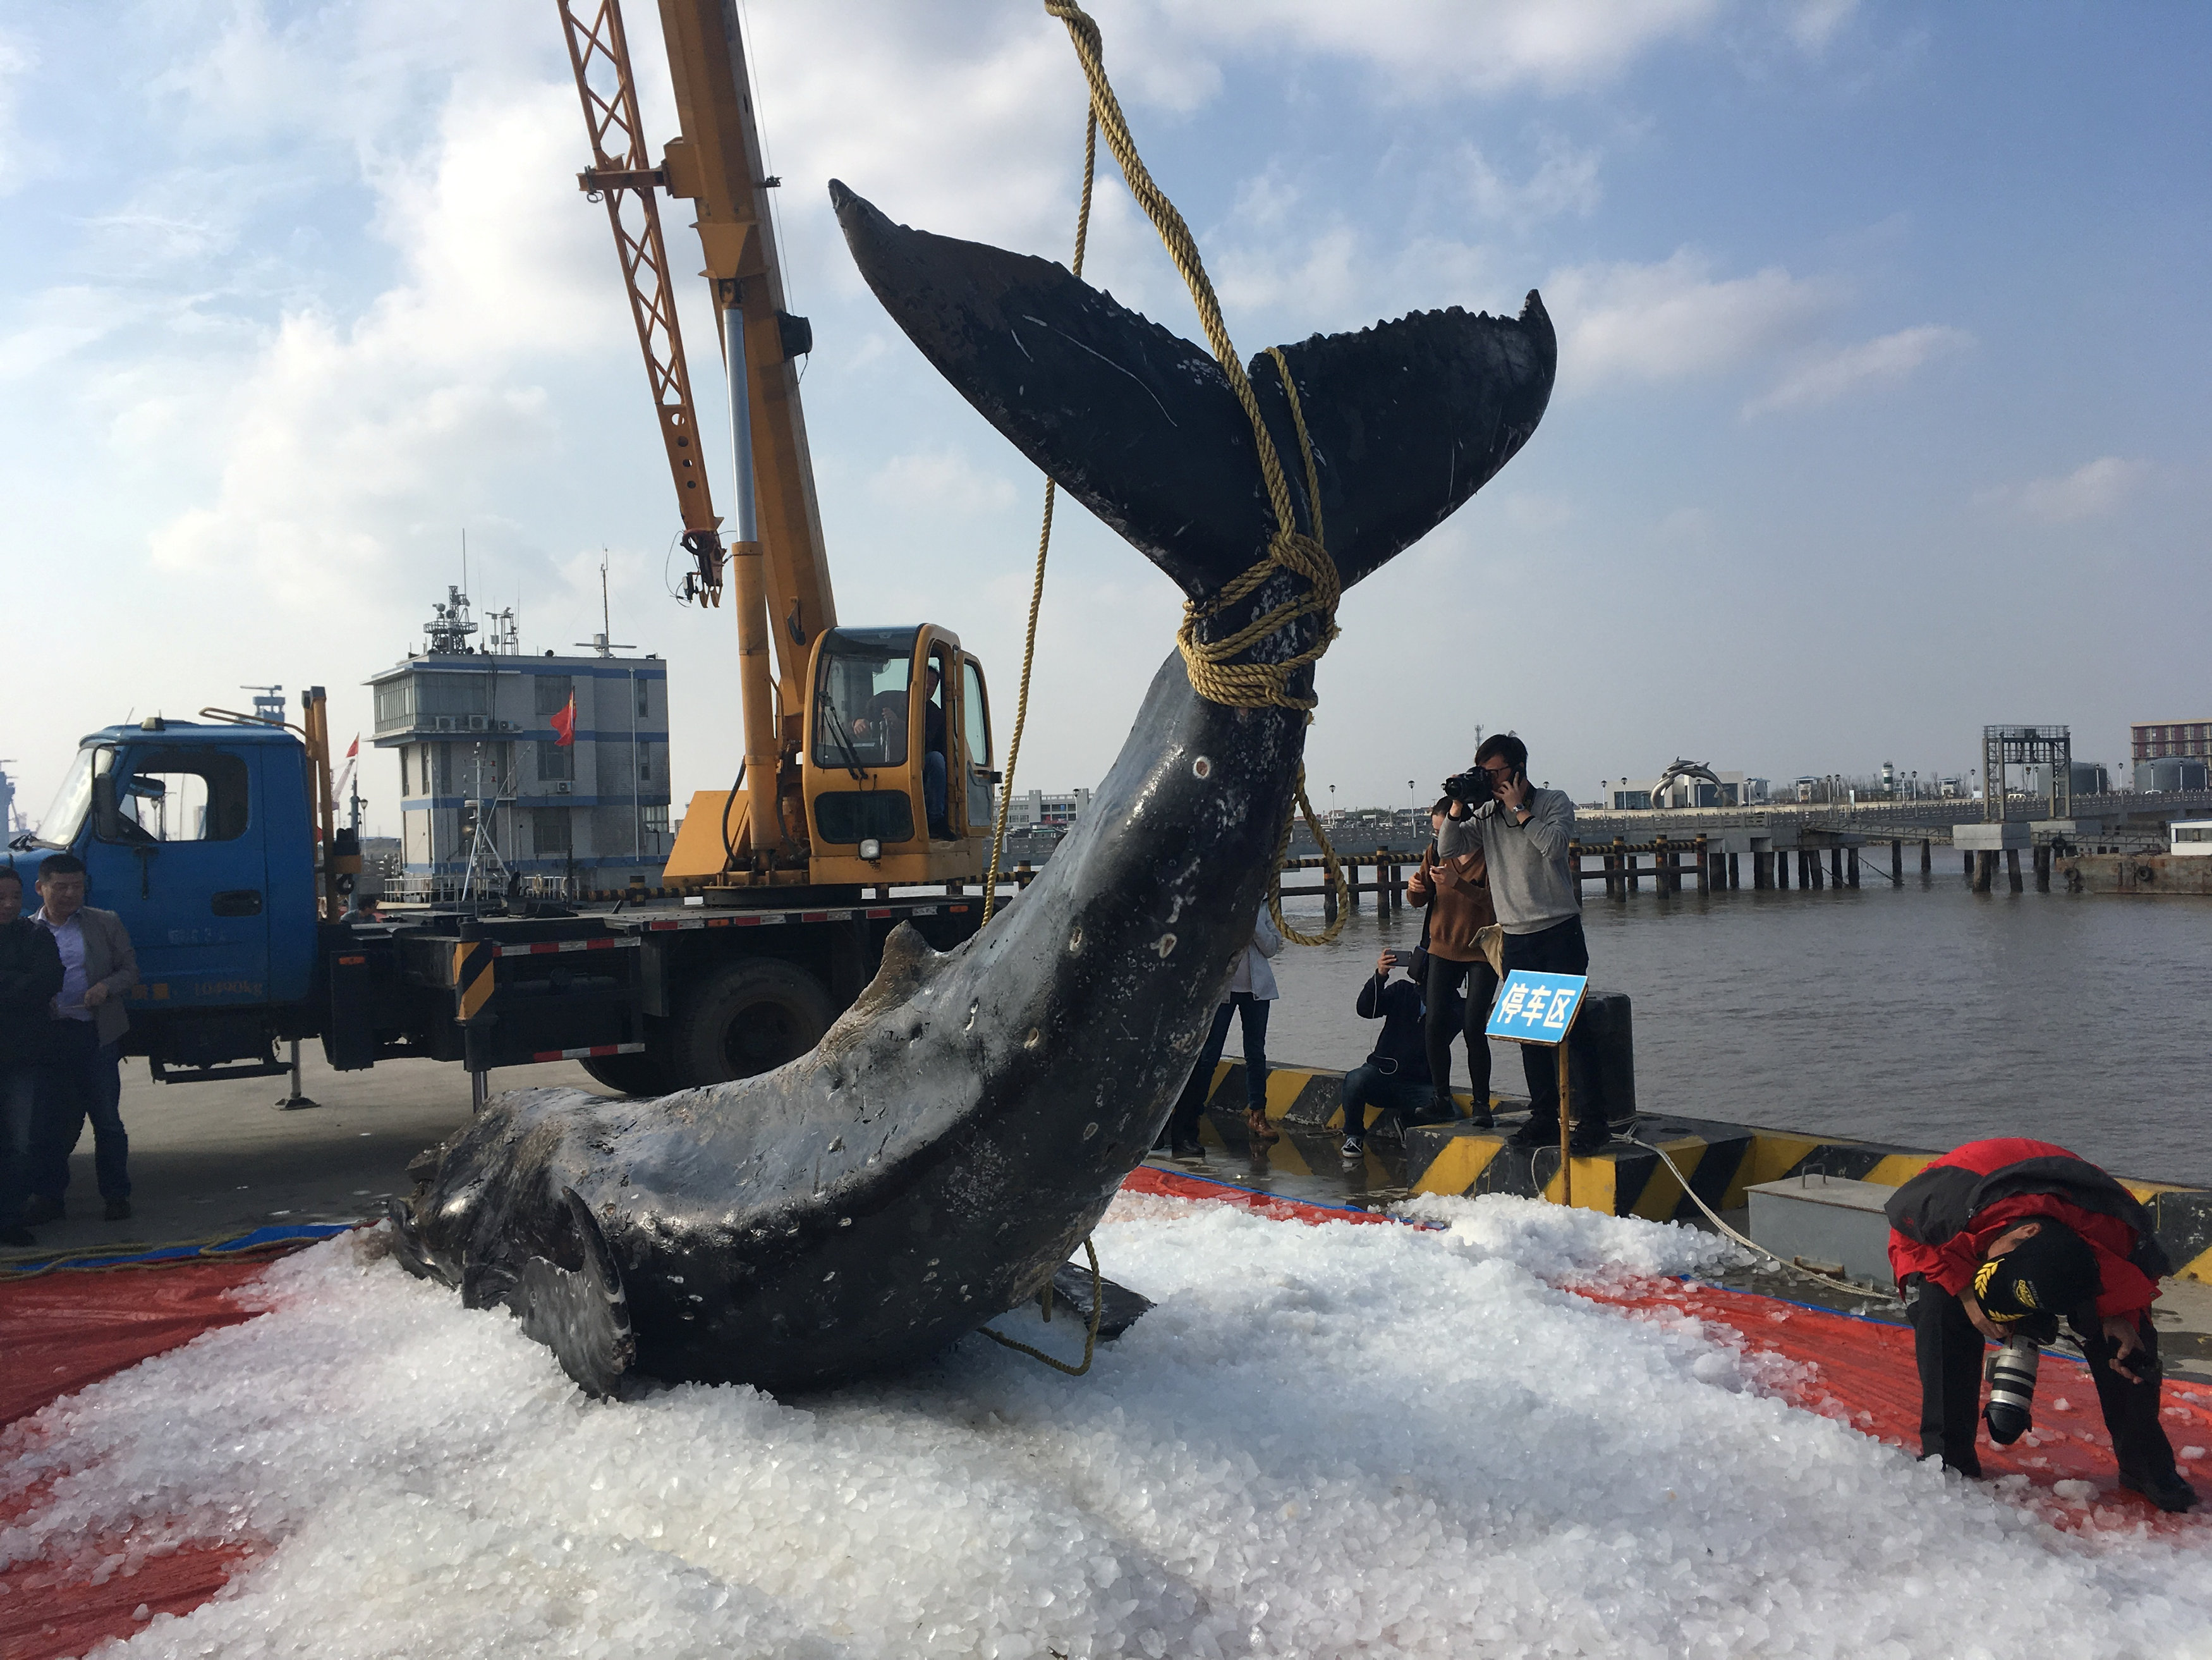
<point>478,731</point>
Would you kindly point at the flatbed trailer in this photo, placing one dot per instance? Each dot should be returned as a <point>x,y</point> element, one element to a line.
<point>649,998</point>
<point>213,843</point>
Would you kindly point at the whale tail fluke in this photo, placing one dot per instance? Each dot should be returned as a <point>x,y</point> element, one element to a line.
<point>582,1314</point>
<point>1407,419</point>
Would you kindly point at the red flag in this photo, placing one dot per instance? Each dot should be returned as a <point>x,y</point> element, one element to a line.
<point>564,725</point>
<point>345,773</point>
<point>353,750</point>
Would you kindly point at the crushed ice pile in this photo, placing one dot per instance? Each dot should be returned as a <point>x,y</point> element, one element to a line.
<point>1325,1440</point>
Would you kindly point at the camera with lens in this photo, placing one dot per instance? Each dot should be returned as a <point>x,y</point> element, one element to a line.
<point>2011,1411</point>
<point>1471,789</point>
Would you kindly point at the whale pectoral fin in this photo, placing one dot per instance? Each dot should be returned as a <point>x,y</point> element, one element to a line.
<point>1407,419</point>
<point>582,1314</point>
<point>1120,1307</point>
<point>408,1249</point>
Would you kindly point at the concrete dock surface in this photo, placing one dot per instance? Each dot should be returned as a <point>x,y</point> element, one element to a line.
<point>213,1161</point>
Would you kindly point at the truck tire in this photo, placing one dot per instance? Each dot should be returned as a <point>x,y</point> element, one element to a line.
<point>632,1074</point>
<point>746,1019</point>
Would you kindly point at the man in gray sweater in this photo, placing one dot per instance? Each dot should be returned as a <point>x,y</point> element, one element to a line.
<point>1523,833</point>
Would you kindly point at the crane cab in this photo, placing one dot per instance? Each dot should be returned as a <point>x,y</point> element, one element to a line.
<point>898,762</point>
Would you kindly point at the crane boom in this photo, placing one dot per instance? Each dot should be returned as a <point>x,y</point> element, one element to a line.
<point>716,164</point>
<point>623,174</point>
<point>867,751</point>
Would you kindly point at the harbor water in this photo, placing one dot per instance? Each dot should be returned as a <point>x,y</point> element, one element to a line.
<point>1923,1015</point>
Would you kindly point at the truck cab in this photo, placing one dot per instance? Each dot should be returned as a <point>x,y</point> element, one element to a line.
<point>200,837</point>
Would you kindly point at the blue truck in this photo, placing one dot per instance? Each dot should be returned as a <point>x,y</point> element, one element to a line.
<point>216,842</point>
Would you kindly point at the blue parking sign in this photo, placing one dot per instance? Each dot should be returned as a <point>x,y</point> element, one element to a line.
<point>1536,1008</point>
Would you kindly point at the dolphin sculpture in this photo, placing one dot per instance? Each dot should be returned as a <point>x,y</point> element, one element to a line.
<point>964,1124</point>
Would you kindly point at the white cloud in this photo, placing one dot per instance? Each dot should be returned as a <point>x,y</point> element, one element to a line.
<point>1565,181</point>
<point>338,438</point>
<point>1675,319</point>
<point>1688,526</point>
<point>1319,271</point>
<point>1812,24</point>
<point>1528,511</point>
<point>1882,362</point>
<point>1429,46</point>
<point>54,324</point>
<point>944,481</point>
<point>2095,489</point>
<point>19,157</point>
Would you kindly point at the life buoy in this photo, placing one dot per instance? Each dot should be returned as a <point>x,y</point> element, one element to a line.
<point>2146,873</point>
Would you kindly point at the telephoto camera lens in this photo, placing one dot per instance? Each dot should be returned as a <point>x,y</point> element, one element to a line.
<point>2012,1390</point>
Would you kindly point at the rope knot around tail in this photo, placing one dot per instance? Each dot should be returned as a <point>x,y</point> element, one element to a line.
<point>1215,674</point>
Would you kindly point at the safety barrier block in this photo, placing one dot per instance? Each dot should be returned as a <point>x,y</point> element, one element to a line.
<point>1724,1161</point>
<point>1311,1097</point>
<point>2183,1218</point>
<point>1621,1180</point>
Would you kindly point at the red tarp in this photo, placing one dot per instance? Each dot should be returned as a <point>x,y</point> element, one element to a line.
<point>1866,1377</point>
<point>59,1333</point>
<point>62,1331</point>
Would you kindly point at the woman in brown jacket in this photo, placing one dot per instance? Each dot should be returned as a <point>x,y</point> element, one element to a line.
<point>1457,892</point>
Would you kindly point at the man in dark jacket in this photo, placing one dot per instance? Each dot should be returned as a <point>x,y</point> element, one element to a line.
<point>30,975</point>
<point>82,1077</point>
<point>2001,1238</point>
<point>1395,1079</point>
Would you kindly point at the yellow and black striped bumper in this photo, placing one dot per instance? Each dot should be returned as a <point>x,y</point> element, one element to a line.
<point>1721,1161</point>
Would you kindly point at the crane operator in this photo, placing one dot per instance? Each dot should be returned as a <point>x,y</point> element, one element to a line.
<point>888,724</point>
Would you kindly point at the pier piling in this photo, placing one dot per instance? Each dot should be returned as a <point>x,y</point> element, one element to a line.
<point>1983,866</point>
<point>2043,868</point>
<point>1705,868</point>
<point>1851,866</point>
<point>1927,858</point>
<point>1897,861</point>
<point>2012,868</point>
<point>1732,872</point>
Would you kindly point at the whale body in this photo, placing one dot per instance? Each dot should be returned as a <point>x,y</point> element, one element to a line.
<point>964,1124</point>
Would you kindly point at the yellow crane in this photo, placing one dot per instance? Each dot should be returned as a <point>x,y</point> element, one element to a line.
<point>868,750</point>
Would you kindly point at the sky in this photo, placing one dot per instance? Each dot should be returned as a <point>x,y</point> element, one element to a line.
<point>1880,411</point>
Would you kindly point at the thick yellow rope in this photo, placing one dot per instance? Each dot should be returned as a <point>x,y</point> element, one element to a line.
<point>1089,1338</point>
<point>1044,546</point>
<point>1212,675</point>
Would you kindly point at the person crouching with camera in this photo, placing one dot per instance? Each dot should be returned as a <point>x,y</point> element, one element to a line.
<point>1523,833</point>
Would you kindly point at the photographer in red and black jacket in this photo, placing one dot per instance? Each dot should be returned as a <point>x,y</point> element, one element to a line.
<point>2001,1238</point>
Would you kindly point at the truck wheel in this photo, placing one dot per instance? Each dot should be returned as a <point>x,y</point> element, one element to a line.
<point>633,1074</point>
<point>750,1018</point>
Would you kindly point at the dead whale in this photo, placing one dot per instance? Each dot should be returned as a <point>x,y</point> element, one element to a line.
<point>965,1123</point>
